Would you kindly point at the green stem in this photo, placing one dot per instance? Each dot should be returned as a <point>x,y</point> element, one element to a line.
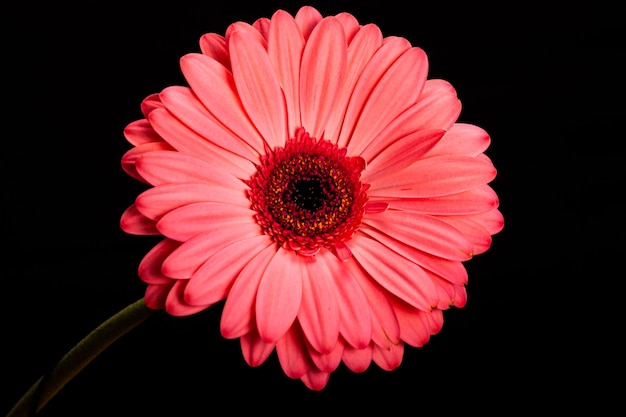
<point>79,356</point>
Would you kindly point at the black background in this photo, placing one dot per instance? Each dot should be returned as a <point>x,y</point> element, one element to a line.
<point>538,331</point>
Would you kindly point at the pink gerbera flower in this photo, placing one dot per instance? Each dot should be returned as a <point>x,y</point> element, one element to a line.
<point>312,177</point>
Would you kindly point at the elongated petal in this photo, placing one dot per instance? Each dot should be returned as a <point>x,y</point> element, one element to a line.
<point>401,154</point>
<point>477,200</point>
<point>156,294</point>
<point>211,282</point>
<point>380,62</point>
<point>476,233</point>
<point>175,303</point>
<point>258,87</point>
<point>388,358</point>
<point>397,90</point>
<point>291,351</point>
<point>214,46</point>
<point>307,18</point>
<point>426,233</point>
<point>220,96</point>
<point>318,314</point>
<point>184,261</point>
<point>385,328</point>
<point>357,360</point>
<point>315,379</point>
<point>355,323</point>
<point>155,202</point>
<point>436,176</point>
<point>453,271</point>
<point>396,274</point>
<point>239,309</point>
<point>165,167</point>
<point>190,220</point>
<point>462,139</point>
<point>351,26</point>
<point>414,326</point>
<point>322,72</point>
<point>326,362</point>
<point>140,132</point>
<point>437,108</point>
<point>360,51</point>
<point>150,266</point>
<point>255,351</point>
<point>135,223</point>
<point>129,159</point>
<point>284,48</point>
<point>279,296</point>
<point>183,107</point>
<point>187,141</point>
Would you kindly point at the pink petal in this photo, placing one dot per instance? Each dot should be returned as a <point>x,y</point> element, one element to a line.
<point>424,232</point>
<point>385,328</point>
<point>251,30</point>
<point>355,322</point>
<point>414,326</point>
<point>239,308</point>
<point>462,139</point>
<point>165,167</point>
<point>307,18</point>
<point>183,107</point>
<point>175,303</point>
<point>453,271</point>
<point>401,154</point>
<point>220,96</point>
<point>284,47</point>
<point>395,273</point>
<point>477,200</point>
<point>357,360</point>
<point>184,261</point>
<point>379,63</point>
<point>492,220</point>
<point>150,266</point>
<point>214,46</point>
<point>315,379</point>
<point>211,282</point>
<point>434,177</point>
<point>318,314</point>
<point>150,103</point>
<point>350,25</point>
<point>327,362</point>
<point>155,202</point>
<point>446,293</point>
<point>321,74</point>
<point>473,231</point>
<point>129,159</point>
<point>262,25</point>
<point>135,223</point>
<point>435,321</point>
<point>156,294</point>
<point>258,87</point>
<point>388,358</point>
<point>255,351</point>
<point>360,51</point>
<point>291,352</point>
<point>437,108</point>
<point>397,90</point>
<point>279,296</point>
<point>187,221</point>
<point>140,132</point>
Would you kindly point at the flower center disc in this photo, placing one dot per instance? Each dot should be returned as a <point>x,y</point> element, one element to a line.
<point>308,194</point>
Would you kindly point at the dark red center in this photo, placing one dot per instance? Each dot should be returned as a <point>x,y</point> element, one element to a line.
<point>308,194</point>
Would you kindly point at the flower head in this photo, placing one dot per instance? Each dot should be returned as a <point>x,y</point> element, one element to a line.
<point>312,178</point>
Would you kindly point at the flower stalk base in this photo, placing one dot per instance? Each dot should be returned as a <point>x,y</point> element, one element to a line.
<point>80,356</point>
